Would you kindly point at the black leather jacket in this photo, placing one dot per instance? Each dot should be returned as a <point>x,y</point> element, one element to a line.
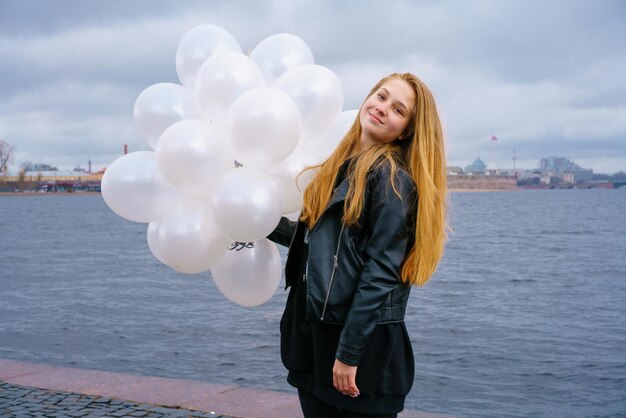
<point>353,272</point>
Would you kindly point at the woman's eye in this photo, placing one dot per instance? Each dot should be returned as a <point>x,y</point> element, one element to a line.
<point>381,96</point>
<point>398,110</point>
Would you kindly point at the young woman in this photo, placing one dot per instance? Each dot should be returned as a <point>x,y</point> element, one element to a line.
<point>372,225</point>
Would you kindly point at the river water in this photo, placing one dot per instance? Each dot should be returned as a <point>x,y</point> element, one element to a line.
<point>526,315</point>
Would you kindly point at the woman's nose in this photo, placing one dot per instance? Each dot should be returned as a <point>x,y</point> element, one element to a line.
<point>380,110</point>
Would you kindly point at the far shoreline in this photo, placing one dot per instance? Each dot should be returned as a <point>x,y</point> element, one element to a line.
<point>49,193</point>
<point>483,190</point>
<point>99,193</point>
<point>449,190</point>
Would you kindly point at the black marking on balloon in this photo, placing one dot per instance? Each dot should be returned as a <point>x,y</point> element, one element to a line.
<point>238,246</point>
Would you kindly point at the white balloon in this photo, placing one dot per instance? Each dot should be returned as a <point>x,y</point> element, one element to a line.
<point>188,238</point>
<point>191,157</point>
<point>291,180</point>
<point>153,236</point>
<point>321,147</point>
<point>197,45</point>
<point>263,127</point>
<point>318,93</point>
<point>249,276</point>
<point>221,79</point>
<point>279,53</point>
<point>246,203</point>
<point>134,188</point>
<point>159,106</point>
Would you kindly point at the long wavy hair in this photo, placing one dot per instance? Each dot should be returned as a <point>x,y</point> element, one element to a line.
<point>421,153</point>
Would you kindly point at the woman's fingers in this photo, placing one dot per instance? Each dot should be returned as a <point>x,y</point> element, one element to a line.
<point>344,378</point>
<point>351,388</point>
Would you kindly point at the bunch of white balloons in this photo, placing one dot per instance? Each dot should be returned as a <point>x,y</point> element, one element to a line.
<point>228,145</point>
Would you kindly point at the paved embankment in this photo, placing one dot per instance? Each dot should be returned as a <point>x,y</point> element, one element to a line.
<point>19,401</point>
<point>31,390</point>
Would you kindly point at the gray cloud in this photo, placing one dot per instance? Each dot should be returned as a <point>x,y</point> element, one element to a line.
<point>545,77</point>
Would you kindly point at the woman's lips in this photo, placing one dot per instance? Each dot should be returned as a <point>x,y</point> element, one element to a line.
<point>375,118</point>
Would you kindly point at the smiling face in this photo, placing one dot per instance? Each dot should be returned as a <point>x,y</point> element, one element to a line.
<point>386,113</point>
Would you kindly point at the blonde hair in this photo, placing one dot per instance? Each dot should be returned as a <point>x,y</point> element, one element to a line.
<point>421,153</point>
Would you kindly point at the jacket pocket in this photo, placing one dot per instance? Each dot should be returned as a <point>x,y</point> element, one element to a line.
<point>352,262</point>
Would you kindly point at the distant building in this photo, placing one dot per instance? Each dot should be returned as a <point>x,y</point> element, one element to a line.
<point>476,177</point>
<point>41,167</point>
<point>482,182</point>
<point>492,169</point>
<point>454,170</point>
<point>582,175</point>
<point>52,181</point>
<point>578,176</point>
<point>557,165</point>
<point>65,173</point>
<point>517,172</point>
<point>564,169</point>
<point>477,167</point>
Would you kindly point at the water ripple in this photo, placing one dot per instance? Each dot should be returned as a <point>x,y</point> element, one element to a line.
<point>525,316</point>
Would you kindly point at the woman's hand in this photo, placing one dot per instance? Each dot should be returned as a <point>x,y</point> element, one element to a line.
<point>344,379</point>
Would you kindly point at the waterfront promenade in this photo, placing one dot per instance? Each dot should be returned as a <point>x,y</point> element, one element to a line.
<point>38,390</point>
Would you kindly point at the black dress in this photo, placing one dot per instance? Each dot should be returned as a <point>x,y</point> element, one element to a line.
<point>308,348</point>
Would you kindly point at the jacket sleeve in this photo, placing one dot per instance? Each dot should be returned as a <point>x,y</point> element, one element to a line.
<point>283,232</point>
<point>388,238</point>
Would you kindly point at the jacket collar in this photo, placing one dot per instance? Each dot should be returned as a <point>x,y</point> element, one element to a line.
<point>339,194</point>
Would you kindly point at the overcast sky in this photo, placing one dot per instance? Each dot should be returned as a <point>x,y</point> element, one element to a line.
<point>545,77</point>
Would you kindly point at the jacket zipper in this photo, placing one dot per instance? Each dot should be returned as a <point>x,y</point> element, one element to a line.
<point>306,264</point>
<point>332,275</point>
<point>307,236</point>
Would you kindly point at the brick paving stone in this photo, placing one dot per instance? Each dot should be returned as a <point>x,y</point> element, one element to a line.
<point>160,410</point>
<point>122,412</point>
<point>179,413</point>
<point>84,401</point>
<point>102,400</point>
<point>24,402</point>
<point>52,409</point>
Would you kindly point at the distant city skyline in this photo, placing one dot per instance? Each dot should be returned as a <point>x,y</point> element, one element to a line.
<point>35,166</point>
<point>511,165</point>
<point>545,78</point>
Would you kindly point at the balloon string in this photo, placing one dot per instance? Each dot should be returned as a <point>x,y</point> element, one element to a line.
<point>238,246</point>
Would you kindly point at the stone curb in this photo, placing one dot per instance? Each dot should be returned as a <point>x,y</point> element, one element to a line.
<point>88,387</point>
